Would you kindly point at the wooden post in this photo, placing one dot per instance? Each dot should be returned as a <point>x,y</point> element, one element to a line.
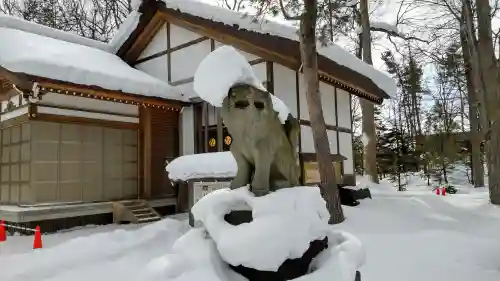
<point>205,127</point>
<point>147,133</point>
<point>220,134</point>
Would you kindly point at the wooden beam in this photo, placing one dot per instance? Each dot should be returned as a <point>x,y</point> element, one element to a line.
<point>256,61</point>
<point>21,81</point>
<point>171,50</point>
<point>229,40</point>
<point>76,108</point>
<point>220,125</point>
<point>84,121</point>
<point>5,86</point>
<point>297,99</point>
<point>328,127</point>
<point>107,95</point>
<point>182,81</point>
<point>169,54</point>
<point>198,127</point>
<point>270,76</point>
<point>144,37</point>
<point>337,133</point>
<point>191,79</point>
<point>147,152</point>
<point>205,127</point>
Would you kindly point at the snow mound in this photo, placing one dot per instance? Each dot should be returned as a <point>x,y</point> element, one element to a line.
<point>285,221</point>
<point>198,166</point>
<point>224,68</point>
<point>194,256</point>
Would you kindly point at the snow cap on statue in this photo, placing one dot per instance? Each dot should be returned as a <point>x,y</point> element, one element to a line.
<point>224,68</point>
<point>219,71</point>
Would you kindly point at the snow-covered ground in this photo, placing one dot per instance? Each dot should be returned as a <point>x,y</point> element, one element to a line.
<point>411,236</point>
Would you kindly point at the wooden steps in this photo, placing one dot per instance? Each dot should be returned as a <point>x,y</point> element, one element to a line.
<point>134,211</point>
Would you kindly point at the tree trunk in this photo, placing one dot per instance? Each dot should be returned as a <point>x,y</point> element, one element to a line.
<point>475,135</point>
<point>477,81</point>
<point>489,69</point>
<point>367,107</point>
<point>321,144</point>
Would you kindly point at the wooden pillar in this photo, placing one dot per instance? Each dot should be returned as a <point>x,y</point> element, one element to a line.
<point>205,127</point>
<point>146,132</point>
<point>198,128</point>
<point>297,99</point>
<point>270,76</point>
<point>220,134</point>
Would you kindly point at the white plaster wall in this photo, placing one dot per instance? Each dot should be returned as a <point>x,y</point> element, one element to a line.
<point>304,111</point>
<point>14,113</point>
<point>346,150</point>
<point>157,68</point>
<point>185,61</point>
<point>78,105</point>
<point>307,140</point>
<point>14,98</point>
<point>84,114</point>
<point>87,103</point>
<point>187,89</point>
<point>327,93</point>
<point>248,56</point>
<point>344,109</point>
<point>179,36</point>
<point>260,70</point>
<point>212,115</point>
<point>284,86</point>
<point>187,127</point>
<point>157,44</point>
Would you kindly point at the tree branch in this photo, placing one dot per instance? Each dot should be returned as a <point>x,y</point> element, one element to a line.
<point>397,34</point>
<point>285,13</point>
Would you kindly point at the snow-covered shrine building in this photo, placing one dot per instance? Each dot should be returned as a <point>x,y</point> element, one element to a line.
<point>85,124</point>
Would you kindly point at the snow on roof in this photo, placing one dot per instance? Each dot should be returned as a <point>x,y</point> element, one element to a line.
<point>232,69</point>
<point>246,22</point>
<point>124,31</point>
<point>43,55</point>
<point>198,166</point>
<point>20,24</point>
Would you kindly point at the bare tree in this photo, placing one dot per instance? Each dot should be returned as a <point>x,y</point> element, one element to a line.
<point>94,19</point>
<point>489,67</point>
<point>235,5</point>
<point>307,15</point>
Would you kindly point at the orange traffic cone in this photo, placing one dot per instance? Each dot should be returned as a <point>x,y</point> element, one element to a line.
<point>37,243</point>
<point>443,192</point>
<point>437,191</point>
<point>3,235</point>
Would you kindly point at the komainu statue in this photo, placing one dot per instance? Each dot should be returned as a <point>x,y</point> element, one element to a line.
<point>265,149</point>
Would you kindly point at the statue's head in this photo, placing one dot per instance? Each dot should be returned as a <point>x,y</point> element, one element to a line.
<point>245,97</point>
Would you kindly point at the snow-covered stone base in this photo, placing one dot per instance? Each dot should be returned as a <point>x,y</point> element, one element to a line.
<point>284,223</point>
